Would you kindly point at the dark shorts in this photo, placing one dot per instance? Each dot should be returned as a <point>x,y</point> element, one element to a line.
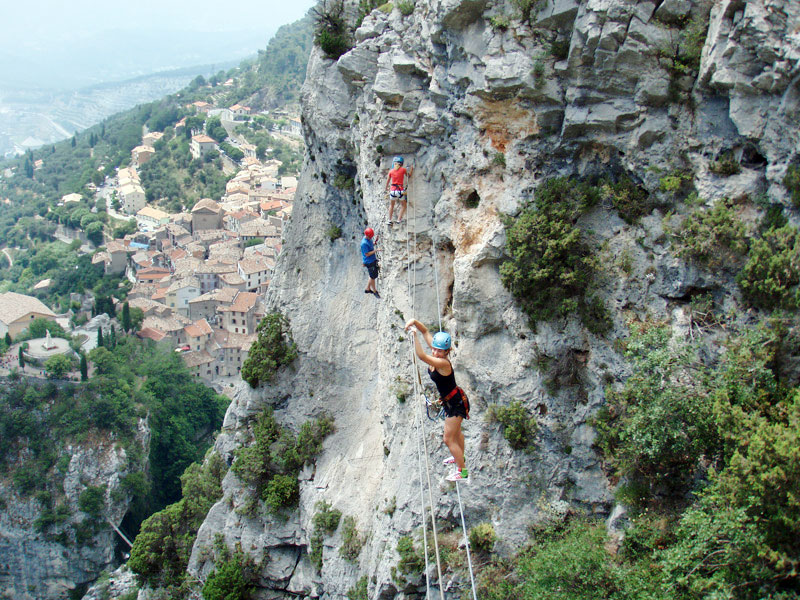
<point>455,407</point>
<point>372,269</point>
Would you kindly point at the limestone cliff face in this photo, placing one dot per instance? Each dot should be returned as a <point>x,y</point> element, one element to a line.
<point>40,563</point>
<point>449,91</point>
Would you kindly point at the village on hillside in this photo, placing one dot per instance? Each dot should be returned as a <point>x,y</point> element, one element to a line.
<point>199,276</point>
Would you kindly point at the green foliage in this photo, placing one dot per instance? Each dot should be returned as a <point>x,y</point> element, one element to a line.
<point>281,491</point>
<point>551,269</point>
<point>233,578</point>
<point>411,561</point>
<point>331,32</point>
<point>571,563</point>
<point>406,7</point>
<point>630,200</point>
<point>654,430</point>
<point>499,22</point>
<point>519,426</point>
<point>352,541</point>
<point>92,500</point>
<point>527,8</point>
<point>770,276</point>
<point>161,551</point>
<point>325,521</point>
<point>482,537</point>
<point>270,465</point>
<point>791,181</point>
<point>675,181</point>
<point>725,165</point>
<point>39,327</point>
<point>499,160</point>
<point>344,182</point>
<point>559,48</point>
<point>58,366</point>
<point>359,591</point>
<point>713,237</point>
<point>333,233</point>
<point>273,349</point>
<point>232,151</point>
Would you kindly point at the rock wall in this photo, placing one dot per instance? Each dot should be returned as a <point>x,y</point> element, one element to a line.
<point>52,563</point>
<point>483,110</point>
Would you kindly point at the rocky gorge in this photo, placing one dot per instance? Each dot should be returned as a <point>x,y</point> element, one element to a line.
<point>486,106</point>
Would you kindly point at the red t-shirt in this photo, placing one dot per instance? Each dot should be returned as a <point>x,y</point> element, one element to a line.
<point>396,176</point>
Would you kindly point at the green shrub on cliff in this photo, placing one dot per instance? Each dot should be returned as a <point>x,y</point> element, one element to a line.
<point>273,349</point>
<point>331,32</point>
<point>713,237</point>
<point>551,269</point>
<point>770,277</point>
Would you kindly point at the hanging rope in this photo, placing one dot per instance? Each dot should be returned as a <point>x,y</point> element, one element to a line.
<point>466,543</point>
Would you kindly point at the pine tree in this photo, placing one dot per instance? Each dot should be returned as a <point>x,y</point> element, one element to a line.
<point>99,337</point>
<point>73,141</point>
<point>8,339</point>
<point>21,358</point>
<point>126,317</point>
<point>84,368</point>
<point>112,338</point>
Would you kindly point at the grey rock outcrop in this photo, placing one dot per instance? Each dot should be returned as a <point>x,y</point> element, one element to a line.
<point>485,112</point>
<point>38,564</point>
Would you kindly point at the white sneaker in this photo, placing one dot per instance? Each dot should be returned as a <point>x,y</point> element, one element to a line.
<point>461,475</point>
<point>449,460</point>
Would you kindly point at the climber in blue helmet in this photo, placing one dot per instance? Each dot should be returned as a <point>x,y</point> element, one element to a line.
<point>396,183</point>
<point>454,400</point>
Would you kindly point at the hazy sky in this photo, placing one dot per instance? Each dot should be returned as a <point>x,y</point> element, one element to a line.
<point>33,22</point>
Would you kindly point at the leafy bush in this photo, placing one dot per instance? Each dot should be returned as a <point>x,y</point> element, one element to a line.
<point>92,500</point>
<point>725,165</point>
<point>406,7</point>
<point>411,561</point>
<point>233,578</point>
<point>482,537</point>
<point>572,563</point>
<point>331,32</point>
<point>359,591</point>
<point>630,200</point>
<point>791,181</point>
<point>714,238</point>
<point>499,22</point>
<point>550,270</point>
<point>325,521</point>
<point>272,349</point>
<point>527,8</point>
<point>519,426</point>
<point>282,491</point>
<point>58,366</point>
<point>272,463</point>
<point>772,272</point>
<point>352,542</point>
<point>334,232</point>
<point>162,549</point>
<point>654,430</point>
<point>675,181</point>
<point>499,159</point>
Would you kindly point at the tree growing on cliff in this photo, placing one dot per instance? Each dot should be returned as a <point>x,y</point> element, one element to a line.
<point>273,348</point>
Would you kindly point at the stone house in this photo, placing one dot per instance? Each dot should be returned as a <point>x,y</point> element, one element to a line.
<point>206,214</point>
<point>201,145</point>
<point>180,292</point>
<point>256,271</point>
<point>239,317</point>
<point>132,198</point>
<point>18,310</point>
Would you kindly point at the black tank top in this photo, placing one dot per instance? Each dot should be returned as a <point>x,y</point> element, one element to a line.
<point>444,383</point>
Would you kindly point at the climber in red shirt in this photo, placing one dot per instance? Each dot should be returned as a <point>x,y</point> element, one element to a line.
<point>396,186</point>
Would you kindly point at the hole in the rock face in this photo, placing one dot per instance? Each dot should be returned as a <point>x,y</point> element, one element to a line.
<point>542,409</point>
<point>752,158</point>
<point>472,200</point>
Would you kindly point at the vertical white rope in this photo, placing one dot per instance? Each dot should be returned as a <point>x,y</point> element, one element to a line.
<point>412,273</point>
<point>466,543</point>
<point>436,270</point>
<point>421,433</point>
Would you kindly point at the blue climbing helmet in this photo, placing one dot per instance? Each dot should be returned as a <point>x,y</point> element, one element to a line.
<point>441,341</point>
<point>398,159</point>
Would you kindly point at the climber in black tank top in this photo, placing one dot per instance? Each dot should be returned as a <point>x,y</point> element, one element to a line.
<point>456,408</point>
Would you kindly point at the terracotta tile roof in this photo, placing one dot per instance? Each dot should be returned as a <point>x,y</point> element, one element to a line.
<point>231,279</point>
<point>203,139</point>
<point>195,359</point>
<point>184,283</point>
<point>226,339</point>
<point>198,329</point>
<point>254,264</point>
<point>244,302</point>
<point>151,333</point>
